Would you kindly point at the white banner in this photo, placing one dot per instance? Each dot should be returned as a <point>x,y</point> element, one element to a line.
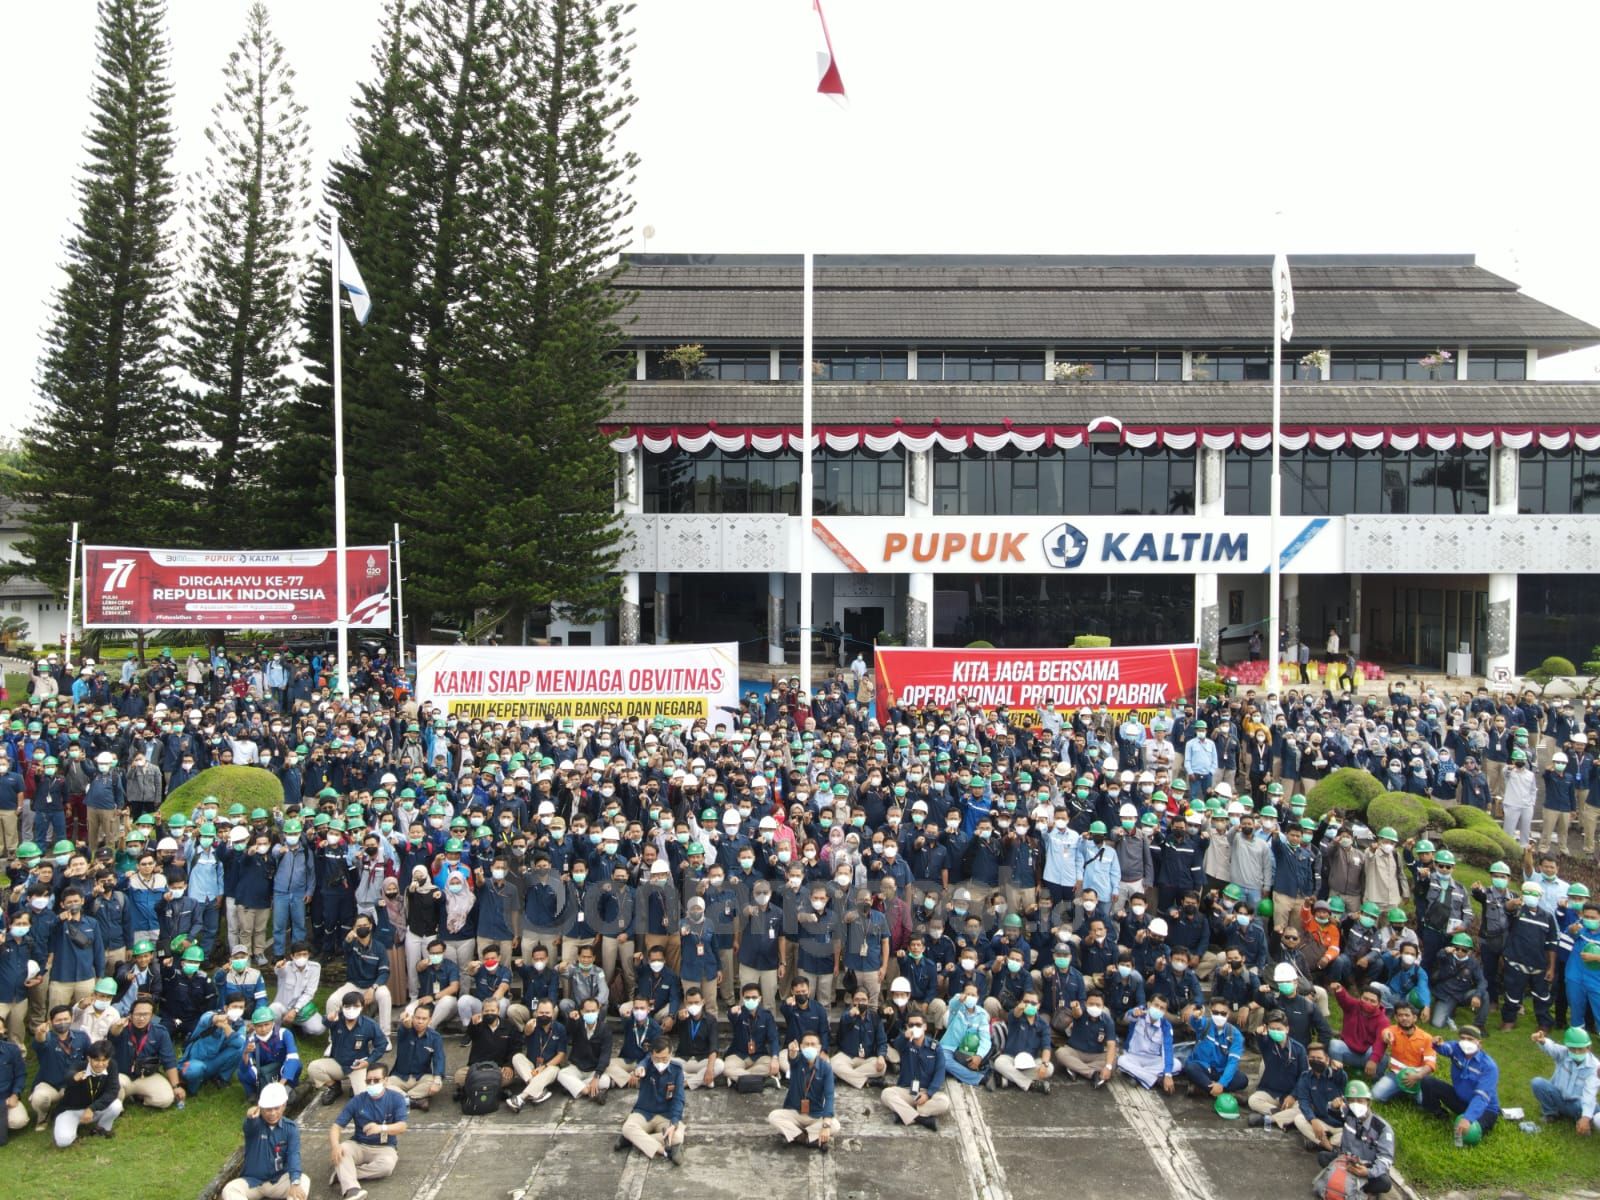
<point>581,683</point>
<point>1085,545</point>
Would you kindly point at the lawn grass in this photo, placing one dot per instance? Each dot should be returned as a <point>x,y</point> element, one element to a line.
<point>1549,1163</point>
<point>167,1155</point>
<point>16,687</point>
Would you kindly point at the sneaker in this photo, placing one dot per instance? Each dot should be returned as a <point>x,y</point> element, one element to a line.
<point>515,1103</point>
<point>931,1123</point>
<point>620,1144</point>
<point>675,1154</point>
<point>988,1082</point>
<point>1044,1086</point>
<point>543,1096</point>
<point>1099,1081</point>
<point>356,1194</point>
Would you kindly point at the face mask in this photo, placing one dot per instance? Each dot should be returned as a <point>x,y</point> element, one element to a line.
<point>579,876</point>
<point>809,1053</point>
<point>751,1003</point>
<point>1500,884</point>
<point>376,1090</point>
<point>434,959</point>
<point>1242,920</point>
<point>21,931</point>
<point>1468,1047</point>
<point>1591,924</point>
<point>350,1014</point>
<point>1219,1020</point>
<point>970,1003</point>
<point>1358,1109</point>
<point>1013,965</point>
<point>916,1032</point>
<point>190,968</point>
<point>1154,1017</point>
<point>1278,1035</point>
<point>1094,1011</point>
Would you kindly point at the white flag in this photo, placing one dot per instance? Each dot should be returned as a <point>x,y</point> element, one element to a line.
<point>1283,297</point>
<point>350,279</point>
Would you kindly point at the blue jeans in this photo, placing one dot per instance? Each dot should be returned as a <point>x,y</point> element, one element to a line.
<point>1344,1056</point>
<point>1551,1102</point>
<point>55,823</point>
<point>958,1070</point>
<point>288,922</point>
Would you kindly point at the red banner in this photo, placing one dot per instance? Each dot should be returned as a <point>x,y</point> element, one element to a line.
<point>131,588</point>
<point>1142,679</point>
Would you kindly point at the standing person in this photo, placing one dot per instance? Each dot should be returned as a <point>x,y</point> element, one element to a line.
<point>1520,789</point>
<point>377,1115</point>
<point>1302,656</point>
<point>808,1107</point>
<point>655,1126</point>
<point>272,1169</point>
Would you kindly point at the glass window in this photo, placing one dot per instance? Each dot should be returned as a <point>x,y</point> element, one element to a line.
<point>980,365</point>
<point>1332,484</point>
<point>857,483</point>
<point>1497,364</point>
<point>1558,481</point>
<point>719,363</point>
<point>1391,366</point>
<point>1126,366</point>
<point>844,365</point>
<point>1098,480</point>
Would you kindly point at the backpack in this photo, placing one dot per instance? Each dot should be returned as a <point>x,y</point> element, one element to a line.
<point>481,1092</point>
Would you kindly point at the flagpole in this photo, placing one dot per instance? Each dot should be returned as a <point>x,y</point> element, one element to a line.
<point>1274,585</point>
<point>806,533</point>
<point>341,568</point>
<point>400,599</point>
<point>72,586</point>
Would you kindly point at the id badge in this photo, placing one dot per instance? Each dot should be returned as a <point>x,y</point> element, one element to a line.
<point>805,1108</point>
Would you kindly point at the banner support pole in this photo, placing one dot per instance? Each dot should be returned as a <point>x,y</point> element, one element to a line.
<point>72,587</point>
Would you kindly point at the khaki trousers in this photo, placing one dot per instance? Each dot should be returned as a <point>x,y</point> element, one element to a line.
<point>792,1125</point>
<point>1263,1103</point>
<point>694,1072</point>
<point>1078,1063</point>
<point>325,1072</point>
<point>537,1080</point>
<point>573,1081</point>
<point>358,1162</point>
<point>768,982</point>
<point>105,826</point>
<point>153,1091</point>
<point>16,1116</point>
<point>421,1088</point>
<point>42,1099</point>
<point>649,1134</point>
<point>1006,1067</point>
<point>857,1072</point>
<point>899,1100</point>
<point>253,926</point>
<point>733,1066</point>
<point>70,993</point>
<point>278,1189</point>
<point>8,833</point>
<point>619,1072</point>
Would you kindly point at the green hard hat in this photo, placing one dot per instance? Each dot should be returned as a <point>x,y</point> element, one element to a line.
<point>292,826</point>
<point>105,987</point>
<point>1473,1135</point>
<point>1462,939</point>
<point>1013,921</point>
<point>146,819</point>
<point>709,814</point>
<point>1227,1106</point>
<point>1274,788</point>
<point>262,1016</point>
<point>453,846</point>
<point>194,954</point>
<point>1444,858</point>
<point>208,830</point>
<point>321,820</point>
<point>210,800</point>
<point>1149,818</point>
<point>1387,834</point>
<point>1233,892</point>
<point>352,810</point>
<point>1097,827</point>
<point>694,848</point>
<point>1519,756</point>
<point>1578,891</point>
<point>178,942</point>
<point>1370,908</point>
<point>1397,914</point>
<point>1269,813</point>
<point>50,760</point>
<point>326,793</point>
<point>144,947</point>
<point>1357,1089</point>
<point>1499,868</point>
<point>238,810</point>
<point>1576,1038</point>
<point>1308,824</point>
<point>1264,907</point>
<point>177,820</point>
<point>1424,847</point>
<point>63,847</point>
<point>337,824</point>
<point>1336,904</point>
<point>258,814</point>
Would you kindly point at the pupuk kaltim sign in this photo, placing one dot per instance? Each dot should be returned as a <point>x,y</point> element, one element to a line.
<point>1142,679</point>
<point>127,587</point>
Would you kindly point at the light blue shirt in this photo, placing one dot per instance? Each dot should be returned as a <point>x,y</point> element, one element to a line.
<point>1200,756</point>
<point>1576,1076</point>
<point>1061,857</point>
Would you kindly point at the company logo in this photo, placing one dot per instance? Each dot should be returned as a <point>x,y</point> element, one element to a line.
<point>373,570</point>
<point>119,570</point>
<point>1065,546</point>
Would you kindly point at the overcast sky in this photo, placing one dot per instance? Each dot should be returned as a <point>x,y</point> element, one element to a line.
<point>1023,126</point>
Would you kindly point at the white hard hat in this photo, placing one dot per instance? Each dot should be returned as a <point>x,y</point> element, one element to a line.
<point>1158,927</point>
<point>1024,1061</point>
<point>1559,757</point>
<point>659,867</point>
<point>1284,973</point>
<point>105,756</point>
<point>1235,809</point>
<point>1224,790</point>
<point>900,984</point>
<point>1127,810</point>
<point>274,1095</point>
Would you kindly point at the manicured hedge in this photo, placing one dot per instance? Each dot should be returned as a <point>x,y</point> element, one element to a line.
<point>1348,789</point>
<point>253,787</point>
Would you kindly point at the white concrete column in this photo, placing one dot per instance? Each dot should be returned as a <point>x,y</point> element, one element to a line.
<point>1355,613</point>
<point>1291,609</point>
<point>638,365</point>
<point>1462,353</point>
<point>911,365</point>
<point>919,483</point>
<point>1209,478</point>
<point>774,365</point>
<point>1500,636</point>
<point>663,618</point>
<point>918,624</point>
<point>1049,363</point>
<point>628,613</point>
<point>776,593</point>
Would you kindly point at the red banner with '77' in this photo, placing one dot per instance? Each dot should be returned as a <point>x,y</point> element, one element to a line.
<point>130,588</point>
<point>1142,679</point>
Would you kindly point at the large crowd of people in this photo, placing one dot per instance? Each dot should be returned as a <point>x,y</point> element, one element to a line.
<point>792,894</point>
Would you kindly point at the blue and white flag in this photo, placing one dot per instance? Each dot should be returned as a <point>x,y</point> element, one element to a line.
<point>350,279</point>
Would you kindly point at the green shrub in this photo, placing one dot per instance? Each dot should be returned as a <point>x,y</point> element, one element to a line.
<point>980,644</point>
<point>1438,815</point>
<point>1212,688</point>
<point>1556,665</point>
<point>1090,641</point>
<point>1349,789</point>
<point>1400,810</point>
<point>1475,820</point>
<point>1479,847</point>
<point>253,787</point>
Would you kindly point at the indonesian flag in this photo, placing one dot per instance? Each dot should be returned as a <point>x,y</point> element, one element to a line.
<point>829,82</point>
<point>1283,297</point>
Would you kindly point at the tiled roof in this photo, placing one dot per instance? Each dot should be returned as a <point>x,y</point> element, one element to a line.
<point>1222,404</point>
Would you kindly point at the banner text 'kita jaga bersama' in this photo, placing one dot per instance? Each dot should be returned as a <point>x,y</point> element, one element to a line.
<point>581,683</point>
<point>1141,679</point>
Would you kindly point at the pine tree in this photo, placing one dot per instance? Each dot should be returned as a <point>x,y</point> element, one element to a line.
<point>520,516</point>
<point>102,450</point>
<point>247,219</point>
